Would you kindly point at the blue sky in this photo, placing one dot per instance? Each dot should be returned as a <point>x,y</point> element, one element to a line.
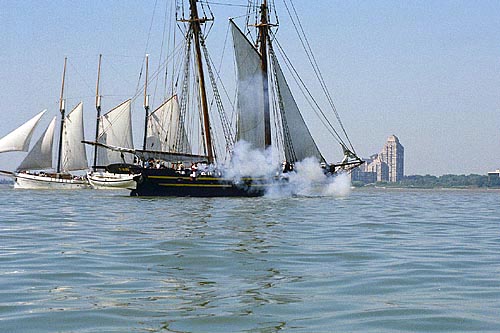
<point>426,71</point>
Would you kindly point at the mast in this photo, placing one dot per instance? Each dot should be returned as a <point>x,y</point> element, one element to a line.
<point>195,25</point>
<point>263,37</point>
<point>98,109</point>
<point>62,110</point>
<point>146,105</point>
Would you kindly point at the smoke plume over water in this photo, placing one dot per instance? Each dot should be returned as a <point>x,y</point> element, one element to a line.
<point>307,179</point>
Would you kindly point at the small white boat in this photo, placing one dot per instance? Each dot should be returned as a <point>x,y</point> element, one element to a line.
<point>109,181</point>
<point>112,169</point>
<point>49,181</point>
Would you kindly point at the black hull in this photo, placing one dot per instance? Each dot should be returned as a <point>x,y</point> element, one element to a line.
<point>168,182</point>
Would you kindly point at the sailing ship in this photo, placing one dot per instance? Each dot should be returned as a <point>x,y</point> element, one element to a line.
<point>32,172</point>
<point>19,139</point>
<point>112,169</point>
<point>268,121</point>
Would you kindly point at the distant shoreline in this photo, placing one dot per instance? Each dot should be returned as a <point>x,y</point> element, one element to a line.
<point>400,188</point>
<point>471,181</point>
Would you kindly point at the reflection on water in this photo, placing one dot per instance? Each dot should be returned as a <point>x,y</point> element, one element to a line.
<point>94,261</point>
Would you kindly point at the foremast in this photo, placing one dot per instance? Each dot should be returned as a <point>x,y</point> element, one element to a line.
<point>263,27</point>
<point>98,110</point>
<point>63,115</point>
<point>195,26</point>
<point>146,105</point>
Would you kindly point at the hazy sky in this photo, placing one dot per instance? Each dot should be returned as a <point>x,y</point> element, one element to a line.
<point>426,71</point>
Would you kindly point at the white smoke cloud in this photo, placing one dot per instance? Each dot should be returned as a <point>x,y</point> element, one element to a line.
<point>307,179</point>
<point>339,186</point>
<point>246,162</point>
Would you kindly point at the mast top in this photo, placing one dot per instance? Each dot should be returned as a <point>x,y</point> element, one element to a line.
<point>61,100</point>
<point>97,96</point>
<point>193,15</point>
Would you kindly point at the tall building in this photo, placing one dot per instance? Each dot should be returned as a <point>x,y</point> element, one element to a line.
<point>387,166</point>
<point>494,178</point>
<point>393,155</point>
<point>380,168</point>
<point>362,173</point>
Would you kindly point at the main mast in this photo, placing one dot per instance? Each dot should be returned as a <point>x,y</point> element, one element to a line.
<point>263,38</point>
<point>195,26</point>
<point>98,109</point>
<point>146,105</point>
<point>62,110</point>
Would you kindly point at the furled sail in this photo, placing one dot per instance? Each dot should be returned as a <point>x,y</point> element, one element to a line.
<point>166,131</point>
<point>40,156</point>
<point>297,136</point>
<point>115,128</point>
<point>19,139</point>
<point>74,156</point>
<point>250,91</point>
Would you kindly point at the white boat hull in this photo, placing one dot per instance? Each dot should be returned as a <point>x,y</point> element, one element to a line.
<point>46,182</point>
<point>111,181</point>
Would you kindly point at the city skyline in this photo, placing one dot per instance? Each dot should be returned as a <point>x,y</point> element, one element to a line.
<point>385,166</point>
<point>426,71</point>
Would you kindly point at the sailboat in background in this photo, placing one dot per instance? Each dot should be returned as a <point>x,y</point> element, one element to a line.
<point>112,169</point>
<point>163,126</point>
<point>113,145</point>
<point>71,155</point>
<point>20,138</point>
<point>40,156</point>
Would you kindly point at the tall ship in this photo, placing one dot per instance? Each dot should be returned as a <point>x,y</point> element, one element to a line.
<point>36,170</point>
<point>206,151</point>
<point>111,169</point>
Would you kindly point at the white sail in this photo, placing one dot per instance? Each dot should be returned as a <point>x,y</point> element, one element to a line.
<point>19,139</point>
<point>40,156</point>
<point>74,156</point>
<point>250,91</point>
<point>115,128</point>
<point>166,131</point>
<point>295,129</point>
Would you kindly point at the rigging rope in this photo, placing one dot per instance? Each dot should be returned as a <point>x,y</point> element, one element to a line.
<point>307,93</point>
<point>286,136</point>
<point>305,43</point>
<point>147,42</point>
<point>220,108</point>
<point>224,4</point>
<point>185,86</point>
<point>89,86</point>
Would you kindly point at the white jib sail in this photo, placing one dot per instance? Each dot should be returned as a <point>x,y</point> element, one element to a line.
<point>250,91</point>
<point>19,139</point>
<point>300,137</point>
<point>166,131</point>
<point>115,129</point>
<point>74,156</point>
<point>40,156</point>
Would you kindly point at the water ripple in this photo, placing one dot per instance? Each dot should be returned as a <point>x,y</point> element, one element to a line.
<point>376,261</point>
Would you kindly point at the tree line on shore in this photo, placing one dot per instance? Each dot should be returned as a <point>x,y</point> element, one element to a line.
<point>444,181</point>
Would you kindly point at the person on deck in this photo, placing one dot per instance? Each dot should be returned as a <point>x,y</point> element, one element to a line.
<point>194,169</point>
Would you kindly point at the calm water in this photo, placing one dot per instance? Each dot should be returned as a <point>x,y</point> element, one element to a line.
<point>376,261</point>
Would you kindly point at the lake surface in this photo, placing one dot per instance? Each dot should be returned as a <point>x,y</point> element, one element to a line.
<point>374,261</point>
